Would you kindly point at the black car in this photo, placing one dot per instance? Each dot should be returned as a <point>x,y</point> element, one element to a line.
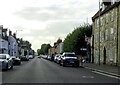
<point>24,58</point>
<point>69,58</point>
<point>16,60</point>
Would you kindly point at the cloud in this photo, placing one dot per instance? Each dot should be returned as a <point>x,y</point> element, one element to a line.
<point>44,21</point>
<point>59,11</point>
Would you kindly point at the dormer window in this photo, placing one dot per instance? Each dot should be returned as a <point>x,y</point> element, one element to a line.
<point>113,1</point>
<point>105,4</point>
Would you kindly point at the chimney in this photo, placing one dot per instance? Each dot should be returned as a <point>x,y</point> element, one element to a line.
<point>5,31</point>
<point>10,33</point>
<point>107,2</point>
<point>14,35</point>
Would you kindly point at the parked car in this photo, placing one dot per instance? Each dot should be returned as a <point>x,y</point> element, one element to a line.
<point>49,57</point>
<point>69,58</point>
<point>39,56</point>
<point>16,60</point>
<point>55,58</point>
<point>58,59</point>
<point>24,58</point>
<point>52,57</point>
<point>31,56</point>
<point>6,62</point>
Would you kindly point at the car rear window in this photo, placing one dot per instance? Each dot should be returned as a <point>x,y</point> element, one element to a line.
<point>2,56</point>
<point>70,55</point>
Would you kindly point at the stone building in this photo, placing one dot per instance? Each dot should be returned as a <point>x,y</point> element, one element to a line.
<point>107,19</point>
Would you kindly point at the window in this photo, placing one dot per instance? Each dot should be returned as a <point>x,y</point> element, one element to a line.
<point>106,34</point>
<point>111,54</point>
<point>112,16</point>
<point>97,23</point>
<point>97,38</point>
<point>101,21</point>
<point>113,1</point>
<point>100,36</point>
<point>106,18</point>
<point>111,31</point>
<point>2,56</point>
<point>111,34</point>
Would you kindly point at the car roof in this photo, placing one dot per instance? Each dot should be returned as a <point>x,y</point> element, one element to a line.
<point>68,53</point>
<point>4,54</point>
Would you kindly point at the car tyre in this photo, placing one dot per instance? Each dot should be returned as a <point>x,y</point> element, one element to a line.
<point>11,67</point>
<point>60,63</point>
<point>6,67</point>
<point>64,65</point>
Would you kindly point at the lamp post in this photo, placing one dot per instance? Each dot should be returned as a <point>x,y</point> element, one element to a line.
<point>17,31</point>
<point>99,37</point>
<point>17,47</point>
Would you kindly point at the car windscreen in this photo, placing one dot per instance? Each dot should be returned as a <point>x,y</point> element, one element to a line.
<point>70,55</point>
<point>2,56</point>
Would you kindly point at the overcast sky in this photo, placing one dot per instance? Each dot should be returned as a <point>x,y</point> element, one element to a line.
<point>44,21</point>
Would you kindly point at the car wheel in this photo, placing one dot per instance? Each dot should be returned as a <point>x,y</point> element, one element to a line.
<point>60,63</point>
<point>11,66</point>
<point>6,67</point>
<point>19,63</point>
<point>77,65</point>
<point>64,65</point>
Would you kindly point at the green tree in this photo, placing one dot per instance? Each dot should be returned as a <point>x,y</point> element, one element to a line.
<point>44,49</point>
<point>76,40</point>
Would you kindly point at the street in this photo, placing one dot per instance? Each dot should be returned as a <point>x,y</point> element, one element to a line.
<point>44,71</point>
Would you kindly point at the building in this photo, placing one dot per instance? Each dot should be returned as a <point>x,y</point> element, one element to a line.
<point>51,51</point>
<point>61,47</point>
<point>13,45</point>
<point>3,40</point>
<point>107,19</point>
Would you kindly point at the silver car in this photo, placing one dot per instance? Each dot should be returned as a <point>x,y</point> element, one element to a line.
<point>6,62</point>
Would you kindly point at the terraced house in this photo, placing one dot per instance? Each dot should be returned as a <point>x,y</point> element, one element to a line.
<point>106,29</point>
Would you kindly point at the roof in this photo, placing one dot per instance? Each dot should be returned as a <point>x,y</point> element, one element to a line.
<point>116,4</point>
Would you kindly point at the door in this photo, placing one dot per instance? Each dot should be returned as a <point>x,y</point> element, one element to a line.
<point>104,54</point>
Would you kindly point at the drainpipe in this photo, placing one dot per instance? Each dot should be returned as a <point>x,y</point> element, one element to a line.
<point>117,36</point>
<point>99,36</point>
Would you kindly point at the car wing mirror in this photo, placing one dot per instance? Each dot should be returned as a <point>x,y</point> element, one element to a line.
<point>8,58</point>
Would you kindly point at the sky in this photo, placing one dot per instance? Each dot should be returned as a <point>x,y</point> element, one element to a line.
<point>44,21</point>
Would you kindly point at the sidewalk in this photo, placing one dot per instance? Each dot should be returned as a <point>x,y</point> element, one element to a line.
<point>108,69</point>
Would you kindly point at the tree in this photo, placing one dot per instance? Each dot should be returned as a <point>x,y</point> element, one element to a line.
<point>44,49</point>
<point>76,40</point>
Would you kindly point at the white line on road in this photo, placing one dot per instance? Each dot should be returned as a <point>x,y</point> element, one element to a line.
<point>106,75</point>
<point>87,76</point>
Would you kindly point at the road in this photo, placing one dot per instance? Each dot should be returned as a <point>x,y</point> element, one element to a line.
<point>44,71</point>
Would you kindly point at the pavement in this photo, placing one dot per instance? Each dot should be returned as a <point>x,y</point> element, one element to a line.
<point>107,69</point>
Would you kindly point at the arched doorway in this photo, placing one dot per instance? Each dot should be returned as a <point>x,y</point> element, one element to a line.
<point>104,56</point>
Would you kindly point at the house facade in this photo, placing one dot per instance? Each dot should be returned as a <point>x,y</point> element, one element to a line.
<point>13,45</point>
<point>106,22</point>
<point>3,40</point>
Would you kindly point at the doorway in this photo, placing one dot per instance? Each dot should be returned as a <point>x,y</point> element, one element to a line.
<point>104,56</point>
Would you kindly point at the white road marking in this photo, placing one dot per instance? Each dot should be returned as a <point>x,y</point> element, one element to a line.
<point>106,75</point>
<point>88,76</point>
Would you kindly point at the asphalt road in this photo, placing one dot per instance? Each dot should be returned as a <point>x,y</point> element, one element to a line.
<point>44,71</point>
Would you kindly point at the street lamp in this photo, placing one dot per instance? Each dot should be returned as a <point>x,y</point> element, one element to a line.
<point>17,31</point>
<point>99,36</point>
